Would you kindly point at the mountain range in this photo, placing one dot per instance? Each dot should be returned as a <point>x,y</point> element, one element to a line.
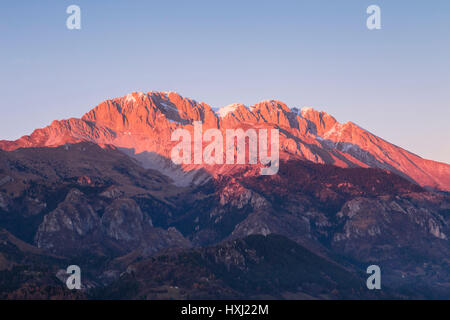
<point>142,124</point>
<point>101,192</point>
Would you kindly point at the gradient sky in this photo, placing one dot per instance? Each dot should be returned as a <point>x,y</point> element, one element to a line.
<point>394,82</point>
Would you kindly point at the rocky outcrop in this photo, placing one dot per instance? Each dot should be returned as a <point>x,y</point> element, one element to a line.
<point>373,227</point>
<point>75,228</point>
<point>65,228</point>
<point>123,220</point>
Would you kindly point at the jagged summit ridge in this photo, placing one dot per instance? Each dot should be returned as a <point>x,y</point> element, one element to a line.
<point>142,123</point>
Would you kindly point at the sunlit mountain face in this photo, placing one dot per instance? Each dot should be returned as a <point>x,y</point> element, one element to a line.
<point>103,192</point>
<point>141,125</point>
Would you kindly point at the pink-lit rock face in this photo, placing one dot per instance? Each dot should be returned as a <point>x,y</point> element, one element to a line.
<point>142,123</point>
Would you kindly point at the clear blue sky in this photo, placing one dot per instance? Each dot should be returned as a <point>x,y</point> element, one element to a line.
<point>394,82</point>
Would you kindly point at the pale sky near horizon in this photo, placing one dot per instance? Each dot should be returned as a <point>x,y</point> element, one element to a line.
<point>394,82</point>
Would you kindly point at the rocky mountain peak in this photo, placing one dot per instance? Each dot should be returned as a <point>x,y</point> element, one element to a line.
<point>143,122</point>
